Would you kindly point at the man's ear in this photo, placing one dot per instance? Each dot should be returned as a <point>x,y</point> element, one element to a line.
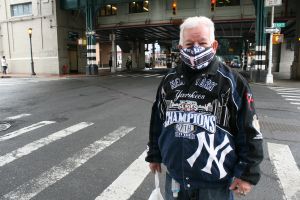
<point>179,46</point>
<point>215,46</point>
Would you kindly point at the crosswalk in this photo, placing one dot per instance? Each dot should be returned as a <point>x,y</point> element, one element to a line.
<point>137,75</point>
<point>292,95</point>
<point>137,171</point>
<point>22,81</point>
<point>127,182</point>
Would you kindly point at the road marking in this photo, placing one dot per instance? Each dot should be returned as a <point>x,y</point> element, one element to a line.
<point>288,93</point>
<point>295,103</point>
<point>27,149</point>
<point>126,184</point>
<point>17,116</point>
<point>150,75</point>
<point>9,84</point>
<point>25,130</point>
<point>286,169</point>
<point>287,90</point>
<point>292,99</point>
<point>291,96</point>
<point>56,173</point>
<point>277,87</point>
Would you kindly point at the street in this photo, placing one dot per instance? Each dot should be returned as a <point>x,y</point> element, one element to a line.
<point>84,138</point>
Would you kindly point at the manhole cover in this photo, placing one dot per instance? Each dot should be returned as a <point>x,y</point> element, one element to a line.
<point>4,126</point>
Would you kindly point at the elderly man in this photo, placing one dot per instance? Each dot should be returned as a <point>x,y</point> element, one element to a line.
<point>203,127</point>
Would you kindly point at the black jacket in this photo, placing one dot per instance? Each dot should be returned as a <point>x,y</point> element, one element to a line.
<point>204,127</point>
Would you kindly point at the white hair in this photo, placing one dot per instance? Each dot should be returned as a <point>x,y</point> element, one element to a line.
<point>193,22</point>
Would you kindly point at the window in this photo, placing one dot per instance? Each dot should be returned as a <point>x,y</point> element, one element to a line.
<point>21,9</point>
<point>108,10</point>
<point>139,6</point>
<point>222,3</point>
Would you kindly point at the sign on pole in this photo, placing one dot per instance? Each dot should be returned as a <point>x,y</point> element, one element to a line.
<point>272,30</point>
<point>279,24</point>
<point>269,3</point>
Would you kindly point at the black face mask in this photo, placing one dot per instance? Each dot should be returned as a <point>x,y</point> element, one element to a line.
<point>197,57</point>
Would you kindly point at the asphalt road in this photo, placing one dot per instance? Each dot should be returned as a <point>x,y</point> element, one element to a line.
<point>84,137</point>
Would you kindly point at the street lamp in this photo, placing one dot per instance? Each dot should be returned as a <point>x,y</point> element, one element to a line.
<point>32,64</point>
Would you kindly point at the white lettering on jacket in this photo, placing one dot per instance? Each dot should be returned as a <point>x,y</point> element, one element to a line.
<point>176,83</point>
<point>194,95</point>
<point>203,120</point>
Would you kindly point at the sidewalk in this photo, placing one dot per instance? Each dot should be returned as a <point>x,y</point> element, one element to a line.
<point>101,72</point>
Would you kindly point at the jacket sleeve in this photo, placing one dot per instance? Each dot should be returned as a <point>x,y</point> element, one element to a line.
<point>156,124</point>
<point>248,140</point>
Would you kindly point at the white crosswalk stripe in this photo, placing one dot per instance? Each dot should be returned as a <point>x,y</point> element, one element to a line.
<point>29,148</point>
<point>56,173</point>
<point>289,94</point>
<point>25,130</point>
<point>121,188</point>
<point>138,75</point>
<point>17,116</point>
<point>22,81</point>
<point>286,169</point>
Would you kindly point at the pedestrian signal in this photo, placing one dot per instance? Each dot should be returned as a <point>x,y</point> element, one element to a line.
<point>174,7</point>
<point>277,38</point>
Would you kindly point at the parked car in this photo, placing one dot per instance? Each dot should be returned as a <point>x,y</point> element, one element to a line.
<point>235,63</point>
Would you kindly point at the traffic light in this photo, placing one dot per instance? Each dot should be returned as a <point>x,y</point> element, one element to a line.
<point>277,38</point>
<point>213,5</point>
<point>174,7</point>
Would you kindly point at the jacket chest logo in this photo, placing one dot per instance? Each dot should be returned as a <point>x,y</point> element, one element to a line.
<point>224,148</point>
<point>206,84</point>
<point>176,83</point>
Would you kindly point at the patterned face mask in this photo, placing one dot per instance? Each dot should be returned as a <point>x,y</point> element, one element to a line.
<point>197,57</point>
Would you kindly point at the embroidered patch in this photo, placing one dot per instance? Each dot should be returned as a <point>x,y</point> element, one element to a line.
<point>185,131</point>
<point>250,100</point>
<point>206,84</point>
<point>176,83</point>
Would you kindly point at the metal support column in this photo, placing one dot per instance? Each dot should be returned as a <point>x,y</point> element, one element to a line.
<point>113,52</point>
<point>92,67</point>
<point>153,54</point>
<point>260,38</point>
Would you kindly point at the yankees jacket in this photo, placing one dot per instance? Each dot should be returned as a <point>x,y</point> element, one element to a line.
<point>204,128</point>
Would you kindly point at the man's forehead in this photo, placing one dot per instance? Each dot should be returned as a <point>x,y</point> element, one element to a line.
<point>196,33</point>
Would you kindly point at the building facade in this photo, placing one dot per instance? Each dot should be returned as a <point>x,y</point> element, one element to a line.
<point>58,36</point>
<point>52,43</point>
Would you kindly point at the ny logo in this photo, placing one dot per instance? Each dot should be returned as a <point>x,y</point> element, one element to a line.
<point>212,153</point>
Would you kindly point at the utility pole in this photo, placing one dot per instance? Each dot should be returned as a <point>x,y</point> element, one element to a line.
<point>271,3</point>
<point>32,63</point>
<point>269,78</point>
